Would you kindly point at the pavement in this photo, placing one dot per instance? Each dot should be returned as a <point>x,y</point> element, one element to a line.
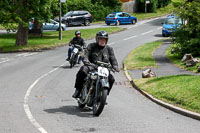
<point>165,67</point>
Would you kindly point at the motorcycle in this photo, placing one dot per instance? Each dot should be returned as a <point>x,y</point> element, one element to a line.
<point>76,53</point>
<point>95,89</point>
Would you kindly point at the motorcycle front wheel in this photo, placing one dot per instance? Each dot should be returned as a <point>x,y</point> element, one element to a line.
<point>99,102</point>
<point>72,61</point>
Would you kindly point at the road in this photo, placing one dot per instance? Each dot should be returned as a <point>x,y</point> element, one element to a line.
<point>36,90</point>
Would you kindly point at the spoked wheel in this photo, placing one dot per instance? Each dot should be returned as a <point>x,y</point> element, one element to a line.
<point>83,97</point>
<point>100,101</point>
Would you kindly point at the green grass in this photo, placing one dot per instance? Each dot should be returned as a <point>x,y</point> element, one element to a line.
<point>176,59</point>
<point>160,12</point>
<point>49,39</point>
<point>180,90</point>
<point>1,27</point>
<point>141,57</point>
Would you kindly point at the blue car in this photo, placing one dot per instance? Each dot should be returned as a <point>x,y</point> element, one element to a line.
<point>170,25</point>
<point>51,25</point>
<point>118,18</point>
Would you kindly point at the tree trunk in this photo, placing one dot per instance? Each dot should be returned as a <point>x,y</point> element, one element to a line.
<point>22,36</point>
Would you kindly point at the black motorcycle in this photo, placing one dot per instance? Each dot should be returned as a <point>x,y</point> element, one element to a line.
<point>95,88</point>
<point>76,53</point>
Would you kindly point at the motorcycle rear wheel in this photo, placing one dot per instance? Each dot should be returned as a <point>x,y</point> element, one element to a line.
<point>99,102</point>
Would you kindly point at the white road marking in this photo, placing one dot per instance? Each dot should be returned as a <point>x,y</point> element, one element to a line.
<point>147,32</point>
<point>26,106</point>
<point>21,54</point>
<point>29,54</point>
<point>129,38</point>
<point>5,61</point>
<point>159,28</point>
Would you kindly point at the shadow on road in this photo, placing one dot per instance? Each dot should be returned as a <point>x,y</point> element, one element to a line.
<point>72,110</point>
<point>66,67</point>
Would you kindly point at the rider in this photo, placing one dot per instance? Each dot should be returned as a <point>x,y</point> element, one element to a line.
<point>97,51</point>
<point>76,40</point>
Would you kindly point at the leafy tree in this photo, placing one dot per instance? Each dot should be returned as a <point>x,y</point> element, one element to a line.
<point>21,12</point>
<point>188,36</point>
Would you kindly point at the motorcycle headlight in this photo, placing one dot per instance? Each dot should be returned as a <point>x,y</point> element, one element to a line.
<point>93,77</point>
<point>163,28</point>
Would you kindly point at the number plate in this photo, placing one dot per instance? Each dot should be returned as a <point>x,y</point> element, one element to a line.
<point>102,71</point>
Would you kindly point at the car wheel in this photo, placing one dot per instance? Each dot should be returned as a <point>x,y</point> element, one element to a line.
<point>133,21</point>
<point>163,35</point>
<point>87,23</point>
<point>117,22</point>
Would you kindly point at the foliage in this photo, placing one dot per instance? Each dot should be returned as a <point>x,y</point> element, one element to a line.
<point>20,11</point>
<point>188,36</point>
<point>152,7</point>
<point>98,8</point>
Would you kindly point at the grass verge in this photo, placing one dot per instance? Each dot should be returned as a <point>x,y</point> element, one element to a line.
<point>175,59</point>
<point>141,57</point>
<point>180,90</point>
<point>48,41</point>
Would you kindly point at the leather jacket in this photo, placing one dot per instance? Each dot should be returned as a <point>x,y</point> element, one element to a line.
<point>95,53</point>
<point>79,41</point>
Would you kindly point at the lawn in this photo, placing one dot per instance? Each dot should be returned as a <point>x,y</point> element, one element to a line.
<point>180,90</point>
<point>141,57</point>
<point>175,59</point>
<point>49,39</point>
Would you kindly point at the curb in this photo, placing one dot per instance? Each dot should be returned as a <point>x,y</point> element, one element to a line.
<point>159,102</point>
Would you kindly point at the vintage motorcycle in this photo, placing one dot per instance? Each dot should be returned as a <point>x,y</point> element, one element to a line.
<point>95,88</point>
<point>76,53</point>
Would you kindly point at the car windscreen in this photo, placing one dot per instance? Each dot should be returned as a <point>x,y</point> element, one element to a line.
<point>173,21</point>
<point>111,15</point>
<point>68,14</point>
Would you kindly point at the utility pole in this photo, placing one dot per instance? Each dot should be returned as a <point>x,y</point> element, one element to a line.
<point>60,32</point>
<point>60,28</point>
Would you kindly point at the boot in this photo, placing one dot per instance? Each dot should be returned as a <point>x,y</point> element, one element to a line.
<point>76,94</point>
<point>68,59</point>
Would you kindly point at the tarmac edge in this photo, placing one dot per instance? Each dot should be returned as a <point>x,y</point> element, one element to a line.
<point>159,102</point>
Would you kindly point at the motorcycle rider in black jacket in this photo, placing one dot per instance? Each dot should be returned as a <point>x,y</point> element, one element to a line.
<point>97,51</point>
<point>76,40</point>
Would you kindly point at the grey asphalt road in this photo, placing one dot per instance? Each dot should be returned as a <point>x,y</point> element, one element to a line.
<point>36,91</point>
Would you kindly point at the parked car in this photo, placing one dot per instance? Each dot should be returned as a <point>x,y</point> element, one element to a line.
<point>51,25</point>
<point>76,18</point>
<point>170,25</point>
<point>118,18</point>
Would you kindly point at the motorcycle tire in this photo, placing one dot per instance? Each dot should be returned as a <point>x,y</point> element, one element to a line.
<point>83,97</point>
<point>72,61</point>
<point>99,103</point>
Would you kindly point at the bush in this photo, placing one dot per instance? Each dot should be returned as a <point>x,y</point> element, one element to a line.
<point>152,7</point>
<point>188,36</point>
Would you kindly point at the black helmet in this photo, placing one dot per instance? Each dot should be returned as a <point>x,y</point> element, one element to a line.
<point>102,34</point>
<point>77,33</point>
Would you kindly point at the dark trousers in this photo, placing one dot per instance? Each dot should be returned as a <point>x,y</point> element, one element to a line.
<point>82,74</point>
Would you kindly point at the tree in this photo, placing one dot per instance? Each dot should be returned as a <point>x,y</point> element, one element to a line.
<point>21,12</point>
<point>188,36</point>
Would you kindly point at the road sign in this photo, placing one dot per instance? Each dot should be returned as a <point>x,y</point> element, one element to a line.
<point>63,1</point>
